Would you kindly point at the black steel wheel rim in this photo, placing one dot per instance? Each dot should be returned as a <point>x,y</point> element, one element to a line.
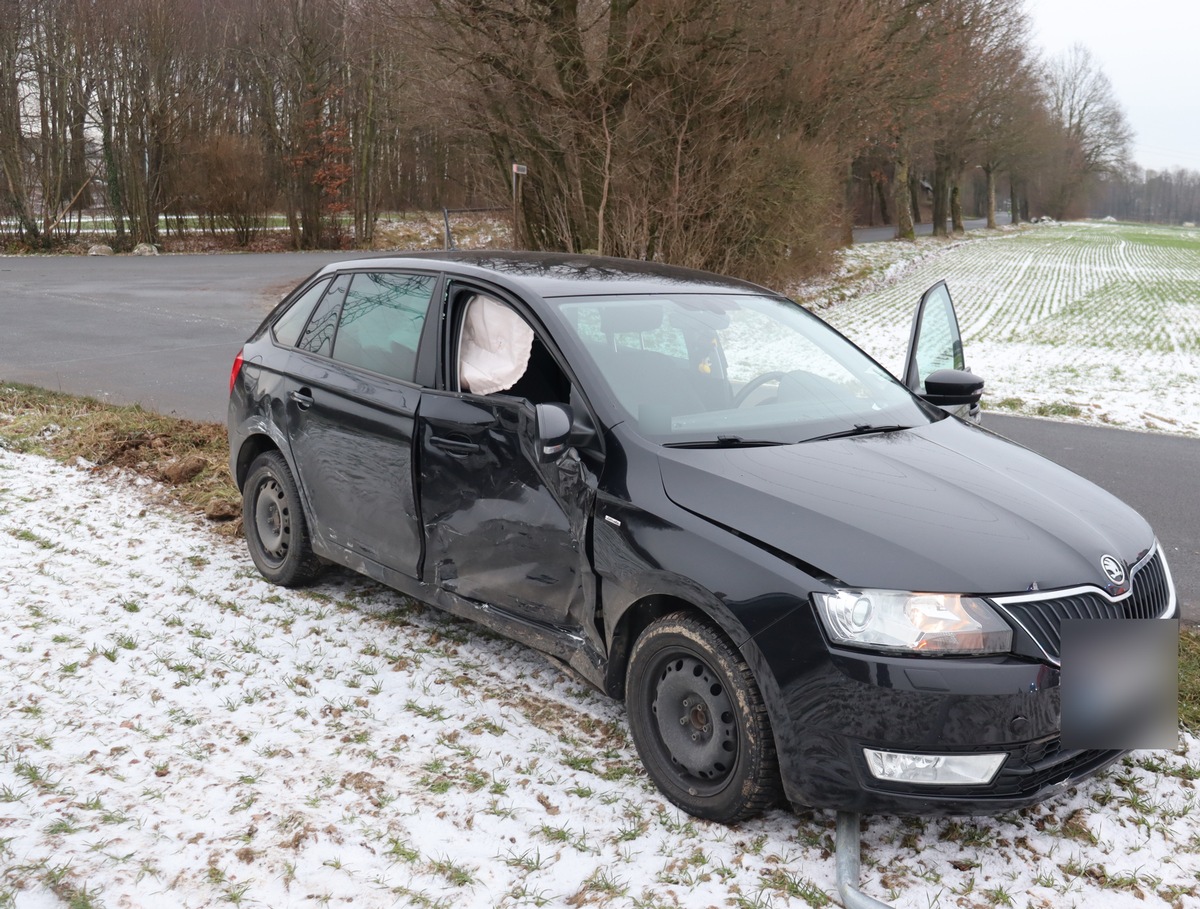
<point>272,520</point>
<point>696,723</point>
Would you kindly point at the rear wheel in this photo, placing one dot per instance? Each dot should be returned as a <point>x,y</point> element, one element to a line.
<point>276,532</point>
<point>699,722</point>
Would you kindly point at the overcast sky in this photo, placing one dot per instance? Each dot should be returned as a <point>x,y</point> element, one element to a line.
<point>1149,49</point>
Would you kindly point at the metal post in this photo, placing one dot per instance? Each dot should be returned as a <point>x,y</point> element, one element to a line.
<point>518,171</point>
<point>847,861</point>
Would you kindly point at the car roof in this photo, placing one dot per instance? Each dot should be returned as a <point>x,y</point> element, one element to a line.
<point>560,274</point>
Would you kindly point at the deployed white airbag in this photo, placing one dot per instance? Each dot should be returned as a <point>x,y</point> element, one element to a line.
<point>493,351</point>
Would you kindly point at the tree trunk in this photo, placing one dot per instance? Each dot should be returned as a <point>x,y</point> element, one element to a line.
<point>941,194</point>
<point>1013,200</point>
<point>112,173</point>
<point>885,213</point>
<point>13,191</point>
<point>15,197</point>
<point>956,212</point>
<point>366,142</point>
<point>848,207</point>
<point>989,171</point>
<point>914,195</point>
<point>903,187</point>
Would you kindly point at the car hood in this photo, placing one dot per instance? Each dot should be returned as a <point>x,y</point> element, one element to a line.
<point>946,507</point>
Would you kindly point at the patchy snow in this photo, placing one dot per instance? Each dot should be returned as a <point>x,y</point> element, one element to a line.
<point>179,733</point>
<point>1087,321</point>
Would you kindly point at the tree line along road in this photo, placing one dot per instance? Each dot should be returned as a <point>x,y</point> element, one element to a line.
<point>163,331</point>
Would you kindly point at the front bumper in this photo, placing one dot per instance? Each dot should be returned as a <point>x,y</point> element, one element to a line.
<point>854,701</point>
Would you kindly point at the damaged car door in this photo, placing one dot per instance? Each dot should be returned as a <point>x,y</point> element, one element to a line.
<point>350,415</point>
<point>505,523</point>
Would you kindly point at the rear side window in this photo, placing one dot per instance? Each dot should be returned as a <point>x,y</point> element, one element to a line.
<point>381,322</point>
<point>288,326</point>
<point>318,334</point>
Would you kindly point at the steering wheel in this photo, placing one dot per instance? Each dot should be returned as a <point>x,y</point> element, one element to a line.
<point>748,389</point>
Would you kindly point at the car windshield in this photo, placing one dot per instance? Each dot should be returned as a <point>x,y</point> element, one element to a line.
<point>730,369</point>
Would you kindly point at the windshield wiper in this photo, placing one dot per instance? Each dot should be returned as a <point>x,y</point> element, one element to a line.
<point>724,442</point>
<point>860,429</point>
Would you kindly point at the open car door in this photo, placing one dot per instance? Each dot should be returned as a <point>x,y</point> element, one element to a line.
<point>935,368</point>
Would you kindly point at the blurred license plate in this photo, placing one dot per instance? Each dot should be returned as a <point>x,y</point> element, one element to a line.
<point>1120,682</point>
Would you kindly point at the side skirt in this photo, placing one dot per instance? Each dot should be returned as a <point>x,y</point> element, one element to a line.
<point>567,647</point>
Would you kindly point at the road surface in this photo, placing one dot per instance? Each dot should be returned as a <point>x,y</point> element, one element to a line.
<point>160,331</point>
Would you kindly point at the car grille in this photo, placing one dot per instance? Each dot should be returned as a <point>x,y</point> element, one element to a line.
<point>1042,619</point>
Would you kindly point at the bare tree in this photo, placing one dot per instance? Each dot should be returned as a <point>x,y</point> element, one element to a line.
<point>717,133</point>
<point>1094,133</point>
<point>738,135</point>
<point>978,39</point>
<point>14,76</point>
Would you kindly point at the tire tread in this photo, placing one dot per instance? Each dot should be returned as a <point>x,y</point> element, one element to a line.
<point>302,565</point>
<point>763,790</point>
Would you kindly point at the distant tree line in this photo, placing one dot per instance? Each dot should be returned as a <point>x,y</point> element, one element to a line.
<point>740,135</point>
<point>1161,196</point>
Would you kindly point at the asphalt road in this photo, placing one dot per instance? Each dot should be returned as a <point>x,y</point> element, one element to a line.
<point>160,331</point>
<point>163,332</point>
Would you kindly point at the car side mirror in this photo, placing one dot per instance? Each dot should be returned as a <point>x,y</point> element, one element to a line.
<point>553,431</point>
<point>952,387</point>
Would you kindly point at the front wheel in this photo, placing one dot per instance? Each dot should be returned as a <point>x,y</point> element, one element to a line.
<point>276,532</point>
<point>699,721</point>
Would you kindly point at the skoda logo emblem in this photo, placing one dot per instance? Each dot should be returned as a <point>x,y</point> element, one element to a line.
<point>1114,569</point>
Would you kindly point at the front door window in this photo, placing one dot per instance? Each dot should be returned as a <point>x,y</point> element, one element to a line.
<point>493,347</point>
<point>936,342</point>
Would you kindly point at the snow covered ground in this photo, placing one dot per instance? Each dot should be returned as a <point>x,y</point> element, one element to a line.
<point>1089,321</point>
<point>175,732</point>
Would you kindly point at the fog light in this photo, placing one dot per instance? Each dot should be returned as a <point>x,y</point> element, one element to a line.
<point>933,769</point>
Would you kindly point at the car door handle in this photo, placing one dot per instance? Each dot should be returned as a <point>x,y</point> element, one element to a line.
<point>459,447</point>
<point>303,398</point>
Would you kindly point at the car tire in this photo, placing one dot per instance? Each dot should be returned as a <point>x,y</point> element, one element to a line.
<point>276,531</point>
<point>699,721</point>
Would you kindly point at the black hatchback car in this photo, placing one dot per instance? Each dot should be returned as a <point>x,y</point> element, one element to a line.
<point>803,576</point>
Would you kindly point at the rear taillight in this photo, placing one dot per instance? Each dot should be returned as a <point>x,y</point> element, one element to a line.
<point>237,367</point>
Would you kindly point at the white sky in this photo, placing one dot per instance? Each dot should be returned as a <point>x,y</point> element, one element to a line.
<point>1148,48</point>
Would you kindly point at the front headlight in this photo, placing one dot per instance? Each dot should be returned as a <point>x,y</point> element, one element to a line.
<point>914,622</point>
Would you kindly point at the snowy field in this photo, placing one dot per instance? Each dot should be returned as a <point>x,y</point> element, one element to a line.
<point>174,732</point>
<point>1089,321</point>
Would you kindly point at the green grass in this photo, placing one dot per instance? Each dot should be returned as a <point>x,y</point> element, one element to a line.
<point>1163,237</point>
<point>1013,404</point>
<point>1189,679</point>
<point>1057,409</point>
<point>1134,289</point>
